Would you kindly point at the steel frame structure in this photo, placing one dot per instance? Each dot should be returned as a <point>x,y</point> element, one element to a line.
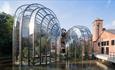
<point>78,37</point>
<point>36,35</point>
<point>36,31</point>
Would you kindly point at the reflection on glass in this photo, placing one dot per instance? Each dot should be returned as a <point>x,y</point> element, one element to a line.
<point>35,34</point>
<point>78,43</point>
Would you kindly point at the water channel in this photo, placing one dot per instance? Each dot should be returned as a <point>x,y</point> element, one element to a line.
<point>66,65</point>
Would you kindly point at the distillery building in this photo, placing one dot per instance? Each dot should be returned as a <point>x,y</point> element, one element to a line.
<point>103,41</point>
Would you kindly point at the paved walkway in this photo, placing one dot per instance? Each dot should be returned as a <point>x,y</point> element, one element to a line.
<point>105,57</point>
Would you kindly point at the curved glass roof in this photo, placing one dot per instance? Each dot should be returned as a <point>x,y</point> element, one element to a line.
<point>36,30</point>
<point>43,17</point>
<point>78,42</point>
<point>78,34</point>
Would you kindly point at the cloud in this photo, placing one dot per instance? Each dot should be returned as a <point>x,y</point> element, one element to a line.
<point>6,7</point>
<point>110,26</point>
<point>113,23</point>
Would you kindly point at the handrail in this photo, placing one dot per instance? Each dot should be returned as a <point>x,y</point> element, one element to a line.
<point>111,54</point>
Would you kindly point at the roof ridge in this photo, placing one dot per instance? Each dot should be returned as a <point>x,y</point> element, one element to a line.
<point>111,31</point>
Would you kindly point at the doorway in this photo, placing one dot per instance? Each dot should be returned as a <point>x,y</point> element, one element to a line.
<point>107,50</point>
<point>102,50</point>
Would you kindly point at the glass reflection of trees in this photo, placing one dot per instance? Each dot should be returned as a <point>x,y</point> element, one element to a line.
<point>78,42</point>
<point>36,32</point>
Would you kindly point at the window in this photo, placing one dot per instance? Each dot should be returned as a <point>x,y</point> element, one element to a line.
<point>97,26</point>
<point>104,43</point>
<point>107,50</point>
<point>112,42</point>
<point>98,43</point>
<point>101,43</point>
<point>107,43</point>
<point>102,50</point>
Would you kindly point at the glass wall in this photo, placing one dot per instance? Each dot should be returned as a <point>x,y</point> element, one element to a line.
<point>36,32</point>
<point>78,43</point>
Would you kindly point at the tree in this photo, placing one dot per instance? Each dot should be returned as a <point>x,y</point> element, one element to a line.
<point>6,25</point>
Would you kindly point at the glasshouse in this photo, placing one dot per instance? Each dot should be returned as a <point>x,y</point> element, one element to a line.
<point>36,35</point>
<point>78,43</point>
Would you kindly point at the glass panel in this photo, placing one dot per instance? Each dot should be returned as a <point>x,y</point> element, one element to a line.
<point>78,43</point>
<point>35,36</point>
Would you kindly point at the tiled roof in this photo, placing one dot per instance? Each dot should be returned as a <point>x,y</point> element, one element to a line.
<point>111,31</point>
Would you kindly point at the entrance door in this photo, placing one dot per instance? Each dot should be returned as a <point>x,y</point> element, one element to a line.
<point>102,50</point>
<point>107,50</point>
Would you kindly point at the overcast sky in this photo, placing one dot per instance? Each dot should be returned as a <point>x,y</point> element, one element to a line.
<point>71,12</point>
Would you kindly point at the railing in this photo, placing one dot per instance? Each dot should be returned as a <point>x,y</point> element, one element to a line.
<point>112,54</point>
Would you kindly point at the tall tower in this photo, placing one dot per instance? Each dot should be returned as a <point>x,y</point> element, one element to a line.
<point>97,28</point>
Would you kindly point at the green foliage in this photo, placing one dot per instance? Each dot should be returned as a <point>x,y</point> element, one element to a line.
<point>86,54</point>
<point>43,47</point>
<point>43,44</point>
<point>75,52</point>
<point>6,25</point>
<point>79,52</point>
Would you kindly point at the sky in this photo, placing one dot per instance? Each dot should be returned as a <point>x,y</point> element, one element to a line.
<point>71,12</point>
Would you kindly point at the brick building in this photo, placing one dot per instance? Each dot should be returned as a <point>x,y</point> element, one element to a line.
<point>103,39</point>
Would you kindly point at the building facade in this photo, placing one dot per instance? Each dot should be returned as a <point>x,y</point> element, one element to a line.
<point>103,39</point>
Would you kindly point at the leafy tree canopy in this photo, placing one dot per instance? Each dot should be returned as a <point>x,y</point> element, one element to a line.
<point>6,25</point>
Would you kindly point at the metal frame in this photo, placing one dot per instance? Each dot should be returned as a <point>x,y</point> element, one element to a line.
<point>82,37</point>
<point>37,15</point>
